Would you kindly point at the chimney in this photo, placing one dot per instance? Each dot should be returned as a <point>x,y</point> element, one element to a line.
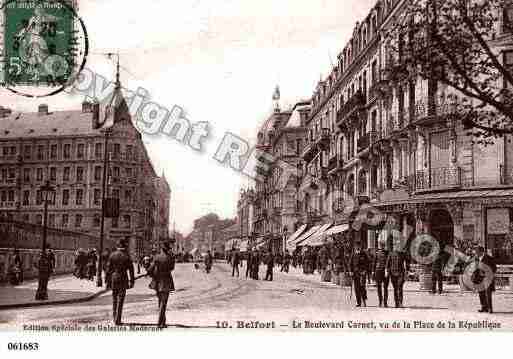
<point>42,109</point>
<point>95,109</point>
<point>87,106</point>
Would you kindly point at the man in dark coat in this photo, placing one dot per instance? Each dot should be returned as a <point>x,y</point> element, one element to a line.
<point>120,270</point>
<point>235,258</point>
<point>270,266</point>
<point>397,267</point>
<point>18,263</point>
<point>249,263</point>
<point>105,260</point>
<point>286,261</point>
<point>484,279</point>
<point>380,275</point>
<point>45,270</point>
<point>437,271</point>
<point>208,261</point>
<point>160,270</point>
<point>51,260</point>
<point>359,265</point>
<point>255,264</point>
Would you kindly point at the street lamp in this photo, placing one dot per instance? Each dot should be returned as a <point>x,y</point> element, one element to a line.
<point>47,192</point>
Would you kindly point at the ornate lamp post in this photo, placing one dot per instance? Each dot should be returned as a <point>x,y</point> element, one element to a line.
<point>48,194</point>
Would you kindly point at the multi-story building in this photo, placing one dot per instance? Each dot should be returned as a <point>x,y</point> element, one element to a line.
<point>64,148</point>
<point>390,142</point>
<point>276,203</point>
<point>245,211</point>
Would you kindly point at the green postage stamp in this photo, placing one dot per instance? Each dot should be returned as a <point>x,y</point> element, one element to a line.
<point>38,43</point>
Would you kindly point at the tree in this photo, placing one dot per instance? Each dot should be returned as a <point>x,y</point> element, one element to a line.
<point>457,44</point>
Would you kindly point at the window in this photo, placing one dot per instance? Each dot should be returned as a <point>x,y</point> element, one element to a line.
<point>26,174</point>
<point>115,175</point>
<point>40,152</point>
<point>39,219</point>
<point>53,151</point>
<point>4,196</point>
<point>5,151</point>
<point>129,152</point>
<point>39,174</point>
<point>98,150</point>
<point>26,198</point>
<point>507,21</point>
<point>80,197</point>
<point>25,218</point>
<point>508,64</point>
<point>4,174</point>
<point>53,174</point>
<point>51,220</point>
<point>39,198</point>
<point>80,150</point>
<point>374,71</point>
<point>128,195</point>
<point>114,222</point>
<point>78,220</point>
<point>67,151</point>
<point>13,150</point>
<point>10,196</point>
<point>96,220</point>
<point>97,173</point>
<point>66,174</point>
<point>128,172</point>
<point>65,220</point>
<point>27,152</point>
<point>115,193</point>
<point>80,174</point>
<point>96,197</point>
<point>127,221</point>
<point>65,197</point>
<point>117,150</point>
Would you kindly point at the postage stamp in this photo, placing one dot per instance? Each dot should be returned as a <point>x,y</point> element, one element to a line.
<point>42,44</point>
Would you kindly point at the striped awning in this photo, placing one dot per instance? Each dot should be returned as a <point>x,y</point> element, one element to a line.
<point>337,229</point>
<point>318,238</point>
<point>306,235</point>
<point>296,234</point>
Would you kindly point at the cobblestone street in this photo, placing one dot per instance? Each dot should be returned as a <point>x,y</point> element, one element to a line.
<point>291,300</point>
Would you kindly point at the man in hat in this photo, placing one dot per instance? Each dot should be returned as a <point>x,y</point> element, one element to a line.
<point>397,266</point>
<point>235,261</point>
<point>359,264</point>
<point>484,279</point>
<point>160,271</point>
<point>379,269</point>
<point>249,263</point>
<point>120,270</point>
<point>269,260</point>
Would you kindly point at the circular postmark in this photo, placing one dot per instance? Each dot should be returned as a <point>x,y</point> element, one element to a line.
<point>45,46</point>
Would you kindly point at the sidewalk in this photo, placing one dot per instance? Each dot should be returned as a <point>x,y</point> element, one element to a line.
<point>409,286</point>
<point>64,289</point>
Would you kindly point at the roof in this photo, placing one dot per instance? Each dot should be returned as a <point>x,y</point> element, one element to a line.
<point>34,124</point>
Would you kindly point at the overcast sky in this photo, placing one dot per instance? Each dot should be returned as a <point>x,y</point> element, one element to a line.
<point>218,59</point>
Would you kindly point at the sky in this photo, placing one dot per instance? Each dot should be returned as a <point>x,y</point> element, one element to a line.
<point>219,60</point>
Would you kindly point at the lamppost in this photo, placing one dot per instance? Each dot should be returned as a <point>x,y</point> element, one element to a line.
<point>285,235</point>
<point>47,192</point>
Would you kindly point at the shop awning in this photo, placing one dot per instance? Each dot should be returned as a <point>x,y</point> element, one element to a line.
<point>192,252</point>
<point>296,234</point>
<point>337,229</point>
<point>306,235</point>
<point>318,238</point>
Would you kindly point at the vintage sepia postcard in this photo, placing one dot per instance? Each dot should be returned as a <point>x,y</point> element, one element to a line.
<point>249,166</point>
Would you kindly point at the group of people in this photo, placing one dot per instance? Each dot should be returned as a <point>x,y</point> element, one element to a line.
<point>16,265</point>
<point>254,258</point>
<point>85,264</point>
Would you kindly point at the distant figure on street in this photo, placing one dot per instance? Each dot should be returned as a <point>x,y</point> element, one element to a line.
<point>18,264</point>
<point>91,264</point>
<point>380,275</point>
<point>359,265</point>
<point>249,264</point>
<point>255,264</point>
<point>51,260</point>
<point>45,270</point>
<point>235,258</point>
<point>397,267</point>
<point>208,261</point>
<point>105,260</point>
<point>286,261</point>
<point>120,270</point>
<point>160,271</point>
<point>270,266</point>
<point>485,266</point>
<point>437,271</point>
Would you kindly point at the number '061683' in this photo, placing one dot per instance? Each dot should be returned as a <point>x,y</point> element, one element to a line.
<point>22,346</point>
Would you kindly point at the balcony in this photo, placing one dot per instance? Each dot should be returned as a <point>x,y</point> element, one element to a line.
<point>363,142</point>
<point>438,178</point>
<point>309,151</point>
<point>322,139</point>
<point>443,106</point>
<point>353,105</point>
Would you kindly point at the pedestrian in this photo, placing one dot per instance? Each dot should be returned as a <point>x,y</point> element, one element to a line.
<point>255,265</point>
<point>120,269</point>
<point>105,260</point>
<point>483,278</point>
<point>286,261</point>
<point>437,271</point>
<point>249,263</point>
<point>380,274</point>
<point>91,264</point>
<point>323,263</point>
<point>397,267</point>
<point>51,260</point>
<point>235,260</point>
<point>208,261</point>
<point>18,264</point>
<point>359,264</point>
<point>270,266</point>
<point>371,256</point>
<point>45,270</point>
<point>162,279</point>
